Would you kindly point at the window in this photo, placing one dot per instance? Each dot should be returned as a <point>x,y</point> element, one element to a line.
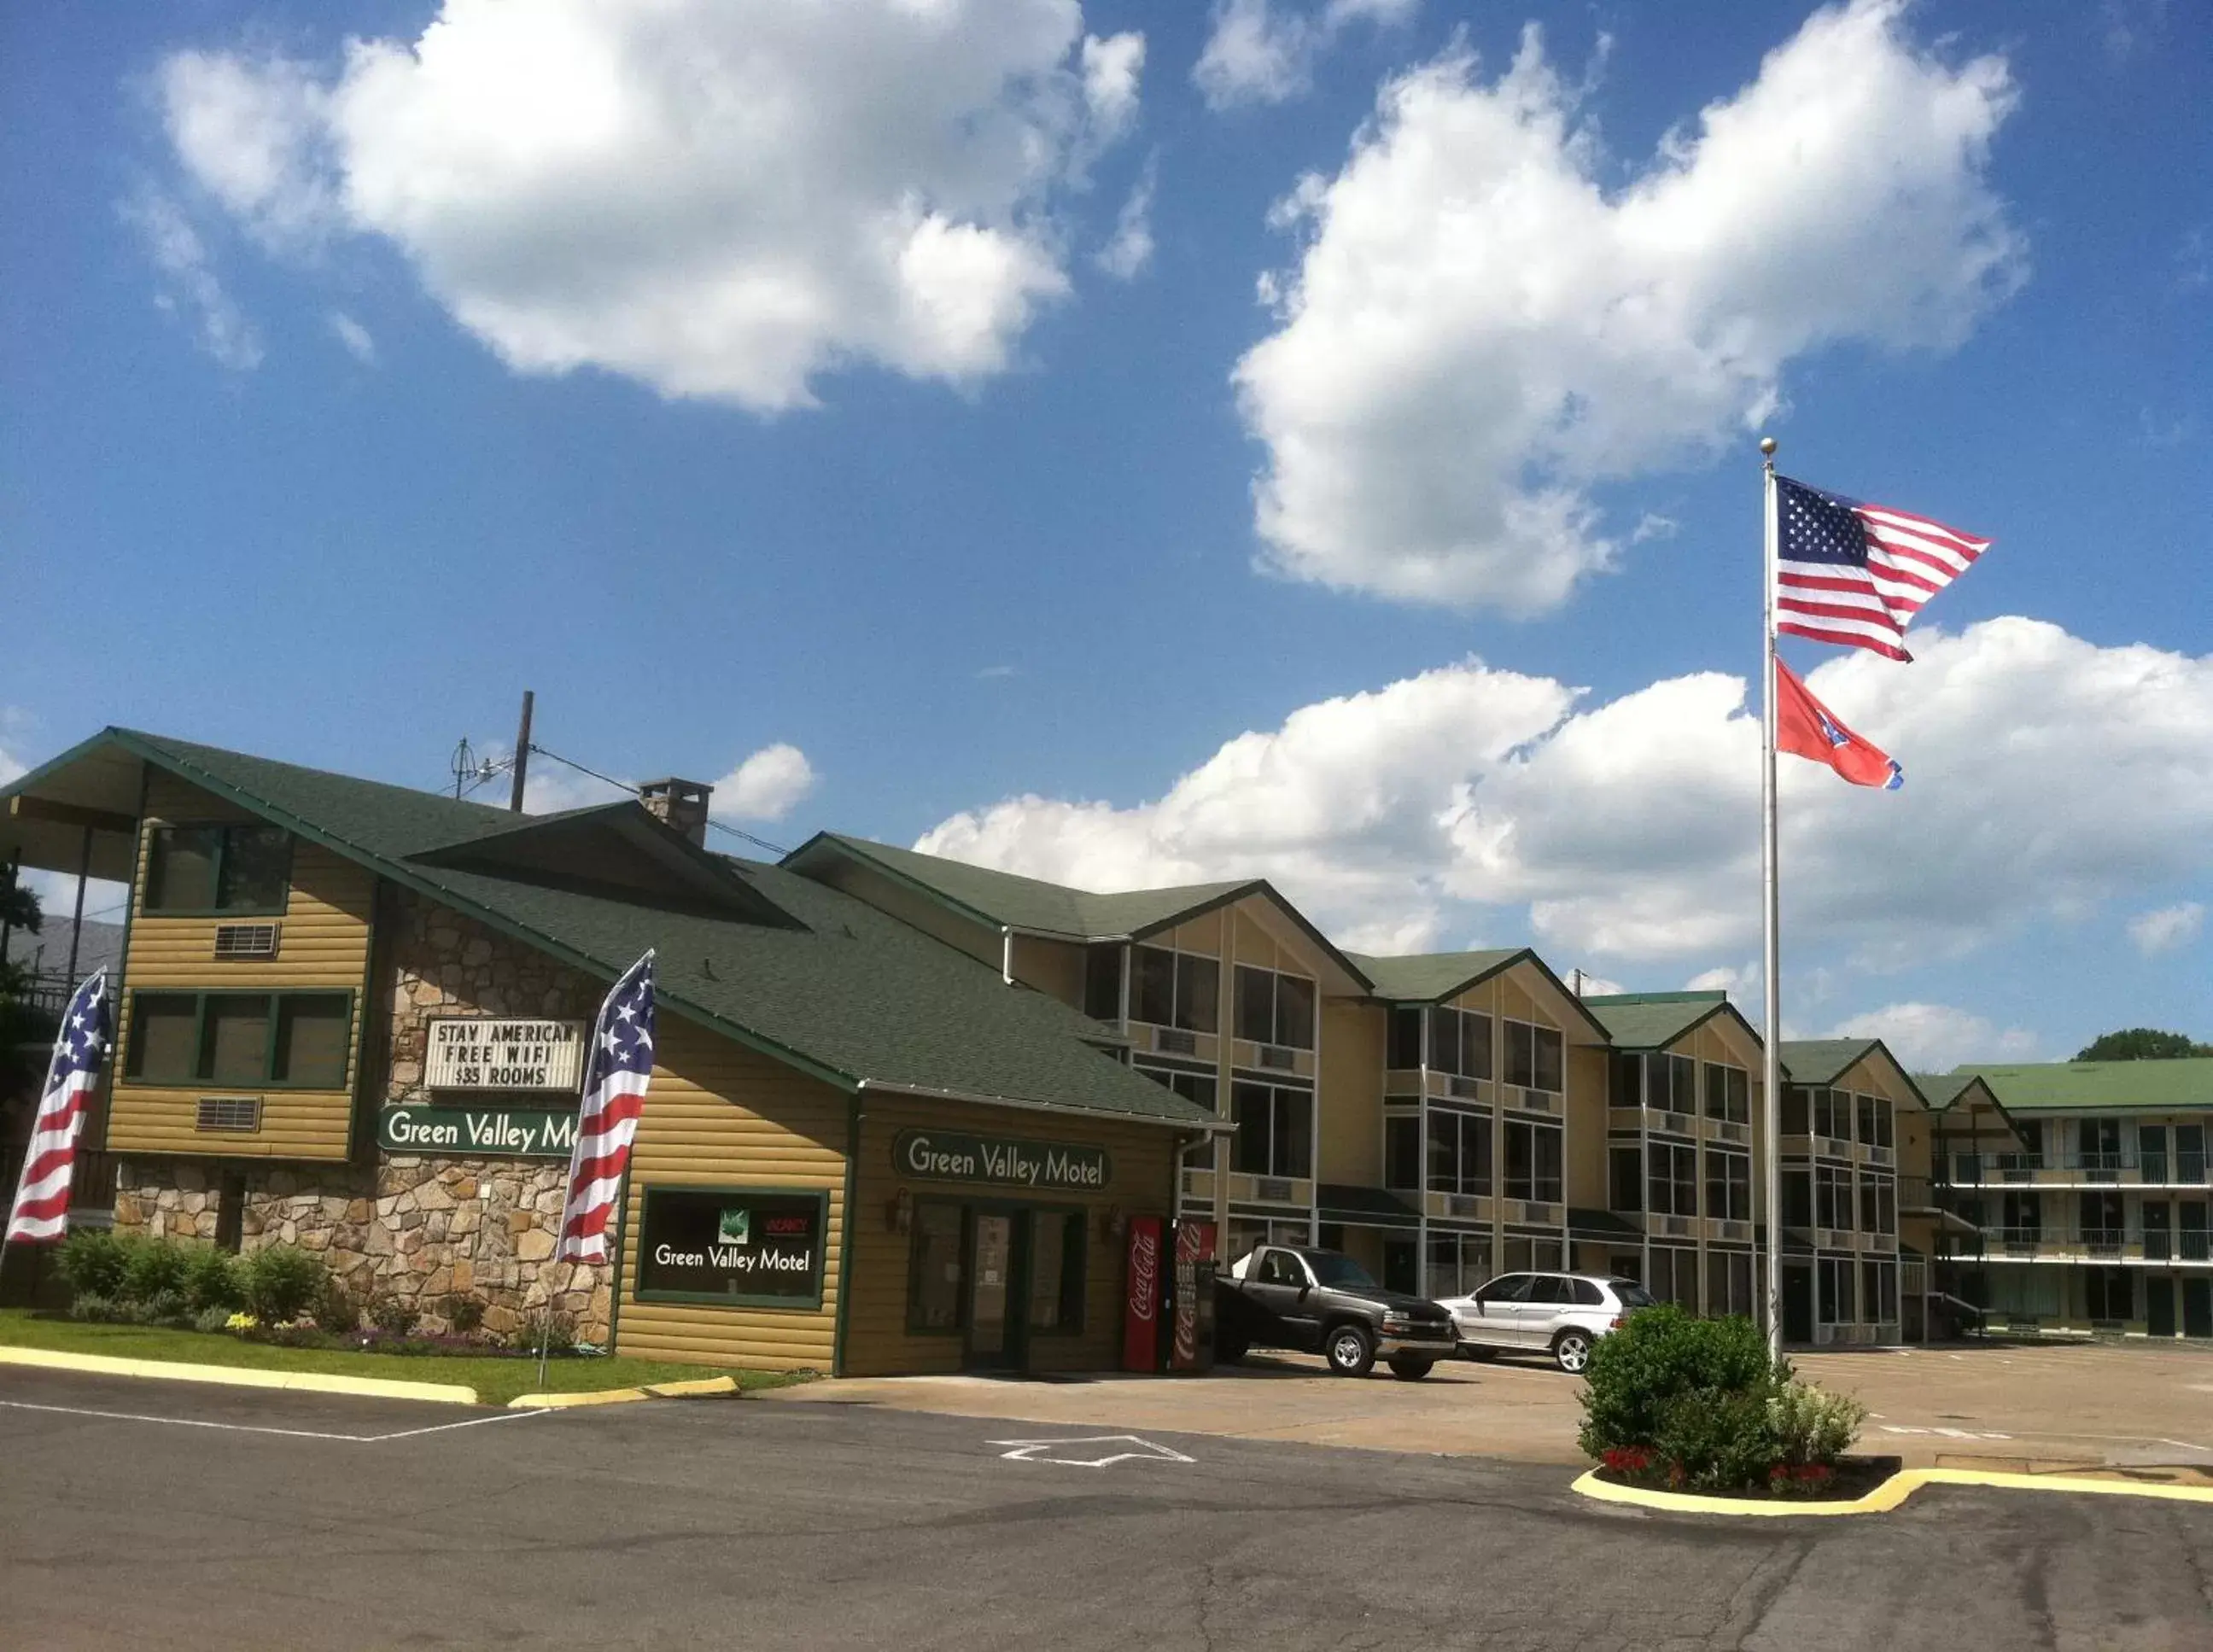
<point>1273,1008</point>
<point>1869,1215</point>
<point>1878,1290</point>
<point>1193,1087</point>
<point>218,868</point>
<point>1459,1152</point>
<point>1674,1178</point>
<point>1460,1043</point>
<point>1402,1153</point>
<point>1587,1293</point>
<point>934,1270</point>
<point>1878,1204</point>
<point>1833,1115</point>
<point>1728,1093</point>
<point>1174,989</point>
<point>1458,1263</point>
<point>1624,1179</point>
<point>1835,1290</point>
<point>1055,1270</point>
<point>1275,1136</point>
<point>1669,1083</point>
<point>1728,1283</point>
<point>1533,1057</point>
<point>299,1039</point>
<point>1281,1268</point>
<point>1728,1185</point>
<point>1832,1196</point>
<point>1796,1104</point>
<point>1513,1287</point>
<point>1532,1161</point>
<point>1797,1199</point>
<point>1884,1120</point>
<point>1547,1288</point>
<point>1406,1052</point>
<point>1628,1081</point>
<point>2022,1215</point>
<point>1102,982</point>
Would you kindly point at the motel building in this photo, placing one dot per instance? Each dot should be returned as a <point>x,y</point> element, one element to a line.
<point>911,1115</point>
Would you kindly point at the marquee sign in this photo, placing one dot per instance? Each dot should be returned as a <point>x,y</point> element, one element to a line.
<point>492,1052</point>
<point>1002,1160</point>
<point>487,1132</point>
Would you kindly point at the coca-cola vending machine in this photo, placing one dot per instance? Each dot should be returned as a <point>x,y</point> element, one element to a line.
<point>1191,1312</point>
<point>1144,1298</point>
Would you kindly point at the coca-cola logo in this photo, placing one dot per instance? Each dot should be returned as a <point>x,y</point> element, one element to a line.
<point>1144,1271</point>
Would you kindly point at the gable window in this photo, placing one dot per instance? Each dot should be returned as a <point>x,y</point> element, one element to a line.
<point>1275,1134</point>
<point>218,868</point>
<point>1728,1093</point>
<point>1671,1083</point>
<point>1273,1008</point>
<point>1405,1036</point>
<point>1535,1057</point>
<point>1460,1043</point>
<point>1174,989</point>
<point>1797,1103</point>
<point>298,1041</point>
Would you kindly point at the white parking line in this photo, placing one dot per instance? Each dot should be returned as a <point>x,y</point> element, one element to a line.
<point>258,1427</point>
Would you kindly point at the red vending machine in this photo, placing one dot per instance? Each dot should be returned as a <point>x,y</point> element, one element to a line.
<point>1192,1310</point>
<point>1144,1296</point>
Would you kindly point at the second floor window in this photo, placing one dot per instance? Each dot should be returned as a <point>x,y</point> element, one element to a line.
<point>295,1039</point>
<point>1728,1185</point>
<point>1174,989</point>
<point>1532,1161</point>
<point>1832,1197</point>
<point>1459,1152</point>
<point>1535,1058</point>
<point>1273,1008</point>
<point>1275,1131</point>
<point>1675,1179</point>
<point>1460,1043</point>
<point>218,868</point>
<point>1670,1083</point>
<point>1728,1093</point>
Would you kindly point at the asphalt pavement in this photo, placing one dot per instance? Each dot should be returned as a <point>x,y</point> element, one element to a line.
<point>165,1515</point>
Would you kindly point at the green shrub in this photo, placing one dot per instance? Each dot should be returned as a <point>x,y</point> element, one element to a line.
<point>1715,1440</point>
<point>1813,1426</point>
<point>94,1309</point>
<point>466,1315</point>
<point>395,1316</point>
<point>283,1282</point>
<point>1661,1352</point>
<point>93,1261</point>
<point>157,1267</point>
<point>212,1320</point>
<point>556,1329</point>
<point>334,1309</point>
<point>213,1280</point>
<point>163,1307</point>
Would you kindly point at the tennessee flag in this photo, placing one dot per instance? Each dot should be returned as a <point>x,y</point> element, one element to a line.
<point>1806,728</point>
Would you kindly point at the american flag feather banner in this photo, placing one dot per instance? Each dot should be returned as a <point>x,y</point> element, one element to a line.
<point>617,1071</point>
<point>1856,574</point>
<point>40,1214</point>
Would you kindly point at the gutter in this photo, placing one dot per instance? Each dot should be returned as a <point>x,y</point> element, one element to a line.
<point>931,1092</point>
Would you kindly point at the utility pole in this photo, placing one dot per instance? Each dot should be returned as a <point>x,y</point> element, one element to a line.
<point>521,752</point>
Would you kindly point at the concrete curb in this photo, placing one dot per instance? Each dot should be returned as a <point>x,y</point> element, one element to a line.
<point>1885,1498</point>
<point>240,1376</point>
<point>624,1396</point>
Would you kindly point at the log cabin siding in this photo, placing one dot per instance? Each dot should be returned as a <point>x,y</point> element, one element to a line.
<point>877,1341</point>
<point>720,1115</point>
<point>323,941</point>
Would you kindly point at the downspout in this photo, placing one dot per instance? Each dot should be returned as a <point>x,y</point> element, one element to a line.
<point>1007,953</point>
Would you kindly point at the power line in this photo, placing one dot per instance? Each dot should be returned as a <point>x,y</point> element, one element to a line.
<point>739,832</point>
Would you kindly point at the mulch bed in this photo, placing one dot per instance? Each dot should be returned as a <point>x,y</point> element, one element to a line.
<point>1855,1478</point>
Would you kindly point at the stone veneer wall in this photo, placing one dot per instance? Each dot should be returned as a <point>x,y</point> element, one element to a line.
<point>422,1229</point>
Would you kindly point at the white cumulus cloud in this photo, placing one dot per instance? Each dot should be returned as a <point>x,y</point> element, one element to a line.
<point>1129,249</point>
<point>1439,805</point>
<point>1478,330</point>
<point>1265,51</point>
<point>1934,1038</point>
<point>766,786</point>
<point>724,202</point>
<point>2170,928</point>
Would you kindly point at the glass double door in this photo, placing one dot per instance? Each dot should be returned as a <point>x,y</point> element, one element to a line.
<point>1018,1265</point>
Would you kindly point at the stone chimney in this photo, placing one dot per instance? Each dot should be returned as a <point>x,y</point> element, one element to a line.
<point>682,803</point>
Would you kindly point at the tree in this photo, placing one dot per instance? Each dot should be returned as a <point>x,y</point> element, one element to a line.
<point>2142,1044</point>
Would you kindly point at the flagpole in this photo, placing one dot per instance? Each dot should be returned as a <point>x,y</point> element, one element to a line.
<point>1770,946</point>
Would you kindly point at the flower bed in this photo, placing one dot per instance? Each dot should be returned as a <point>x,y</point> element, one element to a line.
<point>1673,1403</point>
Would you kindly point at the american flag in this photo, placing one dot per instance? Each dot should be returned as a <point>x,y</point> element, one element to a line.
<point>1857,574</point>
<point>40,1214</point>
<point>616,1075</point>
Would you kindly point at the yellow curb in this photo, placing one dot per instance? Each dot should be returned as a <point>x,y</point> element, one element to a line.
<point>591,1396</point>
<point>240,1376</point>
<point>1885,1498</point>
<point>692,1386</point>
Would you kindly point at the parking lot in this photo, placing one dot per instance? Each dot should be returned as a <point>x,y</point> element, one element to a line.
<point>2036,1406</point>
<point>134,1513</point>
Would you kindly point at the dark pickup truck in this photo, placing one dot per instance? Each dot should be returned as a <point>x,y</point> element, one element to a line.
<point>1324,1302</point>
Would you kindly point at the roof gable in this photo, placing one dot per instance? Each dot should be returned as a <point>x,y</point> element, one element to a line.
<point>2182,1083</point>
<point>1434,977</point>
<point>1823,1061</point>
<point>1652,1020</point>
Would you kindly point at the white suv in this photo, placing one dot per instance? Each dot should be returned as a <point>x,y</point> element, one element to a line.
<point>1561,1313</point>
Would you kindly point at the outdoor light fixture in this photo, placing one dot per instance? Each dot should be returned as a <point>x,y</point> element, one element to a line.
<point>899,1211</point>
<point>1113,1222</point>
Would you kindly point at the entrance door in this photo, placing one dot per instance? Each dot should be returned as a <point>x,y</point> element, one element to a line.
<point>993,1334</point>
<point>1797,1302</point>
<point>2159,1307</point>
<point>2198,1308</point>
<point>1402,1266</point>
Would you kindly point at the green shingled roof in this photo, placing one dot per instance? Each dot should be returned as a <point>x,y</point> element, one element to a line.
<point>2099,1086</point>
<point>1823,1061</point>
<point>1424,977</point>
<point>844,991</point>
<point>1652,1020</point>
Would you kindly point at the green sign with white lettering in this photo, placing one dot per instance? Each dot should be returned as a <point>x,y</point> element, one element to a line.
<point>1002,1160</point>
<point>477,1133</point>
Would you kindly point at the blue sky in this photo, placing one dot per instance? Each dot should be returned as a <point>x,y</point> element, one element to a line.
<point>986,550</point>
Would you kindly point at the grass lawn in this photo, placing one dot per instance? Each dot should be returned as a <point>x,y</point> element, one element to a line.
<point>496,1380</point>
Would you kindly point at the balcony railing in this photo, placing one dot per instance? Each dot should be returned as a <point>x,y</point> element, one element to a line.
<point>2075,1169</point>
